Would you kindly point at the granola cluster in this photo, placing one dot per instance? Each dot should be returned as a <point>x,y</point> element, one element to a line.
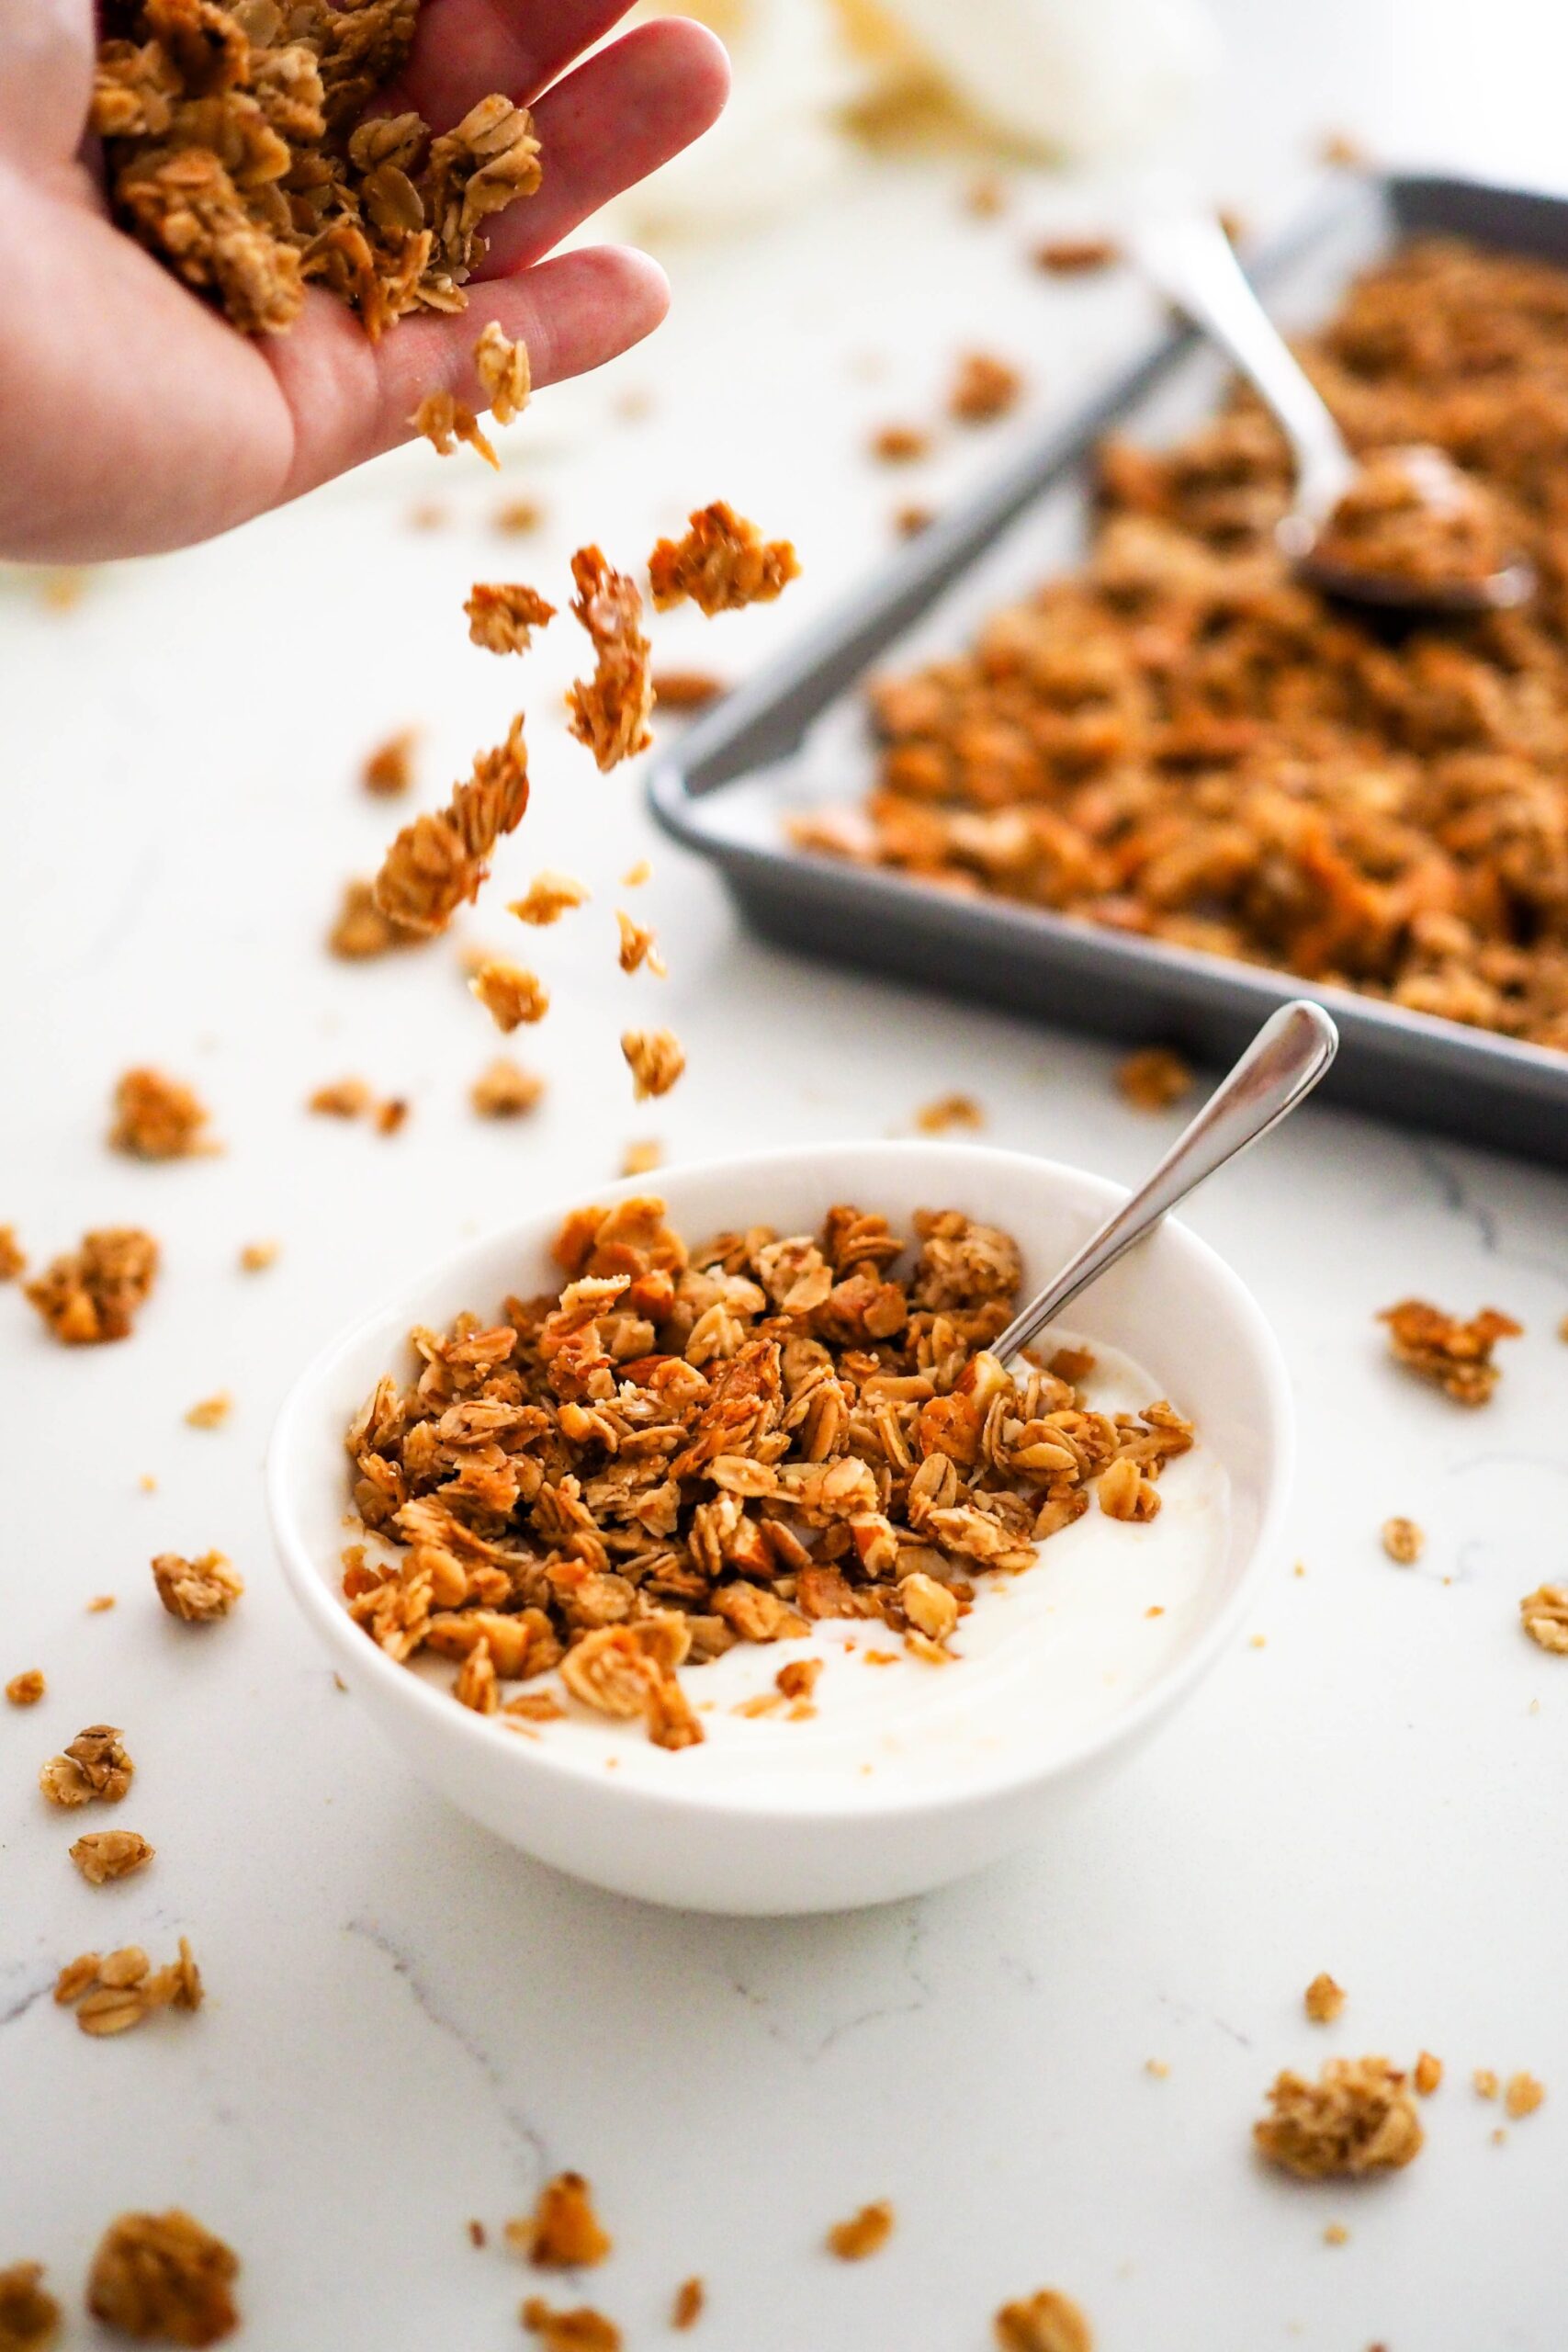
<point>1046,2321</point>
<point>239,152</point>
<point>163,2278</point>
<point>1455,1355</point>
<point>1183,741</point>
<point>503,615</point>
<point>684,1449</point>
<point>610,711</point>
<point>1357,2117</point>
<point>563,2232</point>
<point>29,2315</point>
<point>157,1118</point>
<point>119,1991</point>
<point>200,1591</point>
<point>92,1295</point>
<point>439,861</point>
<point>1411,517</point>
<point>722,564</point>
<point>96,1765</point>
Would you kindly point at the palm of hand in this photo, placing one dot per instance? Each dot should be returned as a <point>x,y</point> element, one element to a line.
<point>134,418</point>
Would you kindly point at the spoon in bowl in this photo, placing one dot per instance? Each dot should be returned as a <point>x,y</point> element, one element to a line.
<point>1187,257</point>
<point>1290,1054</point>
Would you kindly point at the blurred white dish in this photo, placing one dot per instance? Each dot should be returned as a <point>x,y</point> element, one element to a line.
<point>910,1775</point>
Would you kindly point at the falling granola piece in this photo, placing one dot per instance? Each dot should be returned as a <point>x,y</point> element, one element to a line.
<point>1427,2073</point>
<point>510,995</point>
<point>610,712</point>
<point>343,1098</point>
<point>655,1058</point>
<point>548,896</point>
<point>157,1118</point>
<point>444,421</point>
<point>865,2232</point>
<point>517,517</point>
<point>200,1591</point>
<point>91,1296</point>
<point>1544,1613</point>
<point>582,2330</point>
<point>1076,256</point>
<point>722,564</point>
<point>639,946</point>
<point>563,2232</point>
<point>691,2298</point>
<point>504,372</point>
<point>504,1090</point>
<point>162,2278</point>
<point>104,1854</point>
<point>256,1257</point>
<point>1522,2095</point>
<point>101,1601</point>
<point>26,1689</point>
<point>389,769</point>
<point>210,1412</point>
<point>361,930</point>
<point>12,1257</point>
<point>439,861</point>
<point>1155,1078</point>
<point>94,1765</point>
<point>636,874</point>
<point>642,1158</point>
<point>29,2316</point>
<point>986,195</point>
<point>686,689</point>
<point>911,519</point>
<point>984,388</point>
<point>1323,1999</point>
<point>949,1111</point>
<point>504,616</point>
<point>1484,2081</point>
<point>900,444</point>
<point>1456,1356</point>
<point>1046,2321</point>
<point>1357,2117</point>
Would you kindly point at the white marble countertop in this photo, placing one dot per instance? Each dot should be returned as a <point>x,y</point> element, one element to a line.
<point>408,2024</point>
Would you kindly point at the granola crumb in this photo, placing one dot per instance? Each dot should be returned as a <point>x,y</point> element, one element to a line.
<point>360,930</point>
<point>257,1256</point>
<point>444,421</point>
<point>723,563</point>
<point>504,1090</point>
<point>948,1112</point>
<point>691,2296</point>
<point>517,515</point>
<point>1456,1356</point>
<point>1341,151</point>
<point>199,1591</point>
<point>389,769</point>
<point>1047,2321</point>
<point>210,1412</point>
<point>26,1689</point>
<point>986,195</point>
<point>686,689</point>
<point>91,1296</point>
<point>157,1118</point>
<point>610,711</point>
<point>1522,2095</point>
<point>439,862</point>
<point>864,2233</point>
<point>163,2277</point>
<point>428,514</point>
<point>642,1158</point>
<point>535,1707</point>
<point>912,518</point>
<point>563,2232</point>
<point>478,2234</point>
<point>900,444</point>
<point>1484,2081</point>
<point>503,615</point>
<point>639,946</point>
<point>656,1059</point>
<point>95,1765</point>
<point>1323,1999</point>
<point>99,1603</point>
<point>390,1115</point>
<point>635,876</point>
<point>504,372</point>
<point>1544,1614</point>
<point>509,994</point>
<point>1402,1540</point>
<point>343,1098</point>
<point>1427,2073</point>
<point>1158,2067</point>
<point>1357,2117</point>
<point>548,896</point>
<point>1076,256</point>
<point>798,1679</point>
<point>12,1257</point>
<point>104,1854</point>
<point>1335,2234</point>
<point>1499,2137</point>
<point>582,2330</point>
<point>1155,1078</point>
<point>984,388</point>
<point>29,2315</point>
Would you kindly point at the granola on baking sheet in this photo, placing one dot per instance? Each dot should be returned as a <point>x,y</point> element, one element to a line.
<point>1455,1355</point>
<point>680,1449</point>
<point>1357,2117</point>
<point>723,563</point>
<point>445,420</point>
<point>164,2278</point>
<point>610,711</point>
<point>439,861</point>
<point>239,152</point>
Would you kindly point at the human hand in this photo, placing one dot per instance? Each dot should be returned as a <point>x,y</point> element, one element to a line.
<point>134,418</point>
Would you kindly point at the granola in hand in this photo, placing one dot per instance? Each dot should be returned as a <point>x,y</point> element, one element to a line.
<point>610,711</point>
<point>504,372</point>
<point>723,563</point>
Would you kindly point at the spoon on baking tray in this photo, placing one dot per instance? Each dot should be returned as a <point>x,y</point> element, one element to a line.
<point>1290,1054</point>
<point>1187,257</point>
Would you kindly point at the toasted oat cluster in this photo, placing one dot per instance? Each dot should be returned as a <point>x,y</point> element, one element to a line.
<point>947,1113</point>
<point>94,1765</point>
<point>439,862</point>
<point>656,1059</point>
<point>29,2315</point>
<point>865,2232</point>
<point>1357,2117</point>
<point>161,2278</point>
<point>563,2232</point>
<point>722,564</point>
<point>92,1295</point>
<point>1184,741</point>
<point>200,1591</point>
<point>122,1990</point>
<point>443,419</point>
<point>510,995</point>
<point>504,1090</point>
<point>1456,1356</point>
<point>157,1118</point>
<point>503,615</point>
<point>503,371</point>
<point>580,2330</point>
<point>1411,517</point>
<point>238,152</point>
<point>1402,1540</point>
<point>1046,2321</point>
<point>684,1449</point>
<point>104,1854</point>
<point>361,930</point>
<point>610,711</point>
<point>25,1689</point>
<point>548,896</point>
<point>640,946</point>
<point>13,1257</point>
<point>1544,1615</point>
<point>985,388</point>
<point>1323,1999</point>
<point>389,769</point>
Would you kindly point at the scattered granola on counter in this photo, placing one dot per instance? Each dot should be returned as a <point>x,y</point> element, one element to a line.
<point>29,2315</point>
<point>640,946</point>
<point>1522,2095</point>
<point>865,2232</point>
<point>563,2232</point>
<point>200,1591</point>
<point>984,388</point>
<point>503,615</point>
<point>26,1689</point>
<point>504,1090</point>
<point>361,930</point>
<point>504,372</point>
<point>900,444</point>
<point>1357,2117</point>
<point>1155,1078</point>
<point>210,1412</point>
<point>164,2278</point>
<point>95,1765</point>
<point>256,1257</point>
<point>13,1257</point>
<point>686,689</point>
<point>439,862</point>
<point>1544,1613</point>
<point>582,2330</point>
<point>1456,1356</point>
<point>691,2299</point>
<point>610,712</point>
<point>548,896</point>
<point>104,1854</point>
<point>722,564</point>
<point>1075,256</point>
<point>948,1112</point>
<point>1323,1999</point>
<point>656,1059</point>
<point>510,995</point>
<point>389,769</point>
<point>688,1449</point>
<point>120,1991</point>
<point>157,1118</point>
<point>1047,2321</point>
<point>1427,2073</point>
<point>1402,1540</point>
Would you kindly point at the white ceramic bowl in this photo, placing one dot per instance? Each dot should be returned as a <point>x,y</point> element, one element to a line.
<point>778,1825</point>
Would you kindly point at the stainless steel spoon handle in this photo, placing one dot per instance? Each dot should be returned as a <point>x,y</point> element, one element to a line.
<point>1188,256</point>
<point>1279,1069</point>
